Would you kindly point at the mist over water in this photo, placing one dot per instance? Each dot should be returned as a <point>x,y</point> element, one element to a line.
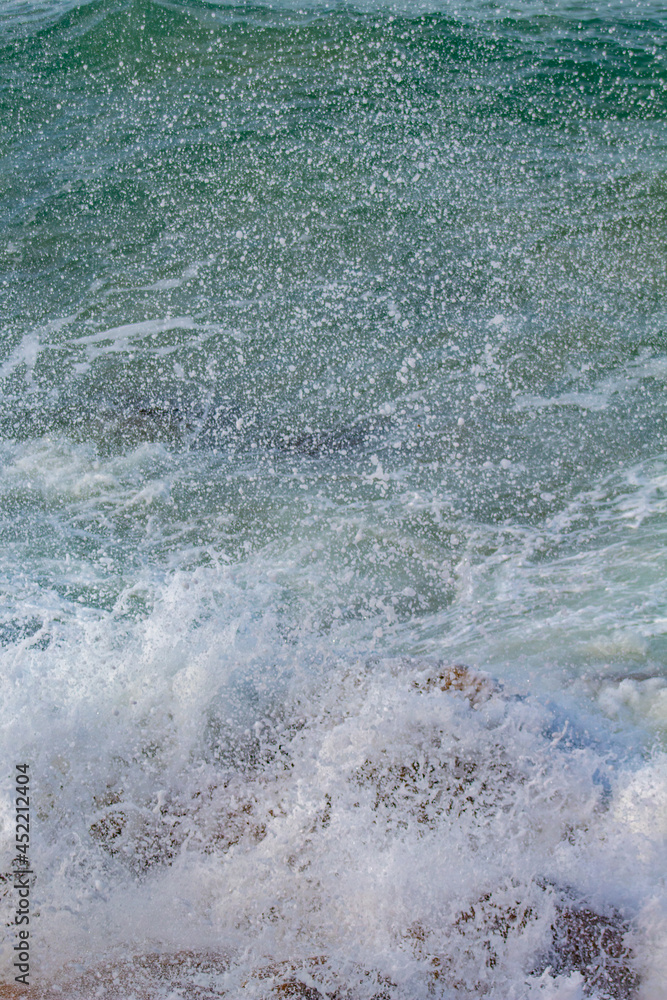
<point>333,353</point>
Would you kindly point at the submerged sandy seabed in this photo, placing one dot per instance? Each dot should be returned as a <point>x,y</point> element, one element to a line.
<point>593,943</point>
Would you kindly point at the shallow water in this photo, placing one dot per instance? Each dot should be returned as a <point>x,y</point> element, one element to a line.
<point>333,349</point>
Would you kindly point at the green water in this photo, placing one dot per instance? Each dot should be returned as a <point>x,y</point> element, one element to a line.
<point>329,330</point>
<point>419,239</point>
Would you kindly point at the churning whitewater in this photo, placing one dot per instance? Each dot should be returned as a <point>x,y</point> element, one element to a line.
<point>333,498</point>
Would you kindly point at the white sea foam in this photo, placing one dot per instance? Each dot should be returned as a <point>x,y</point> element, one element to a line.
<point>201,785</point>
<point>351,391</point>
<point>118,339</point>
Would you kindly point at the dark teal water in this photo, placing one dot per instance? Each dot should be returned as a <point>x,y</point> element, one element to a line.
<point>331,333</point>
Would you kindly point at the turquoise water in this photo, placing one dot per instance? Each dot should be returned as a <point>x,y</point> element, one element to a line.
<point>333,344</point>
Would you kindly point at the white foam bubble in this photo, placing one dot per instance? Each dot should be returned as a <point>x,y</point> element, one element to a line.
<point>392,810</point>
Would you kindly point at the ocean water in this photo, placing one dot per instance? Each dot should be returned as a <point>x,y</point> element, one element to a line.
<point>333,352</point>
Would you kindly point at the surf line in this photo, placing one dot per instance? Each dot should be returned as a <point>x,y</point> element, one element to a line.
<point>21,874</point>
